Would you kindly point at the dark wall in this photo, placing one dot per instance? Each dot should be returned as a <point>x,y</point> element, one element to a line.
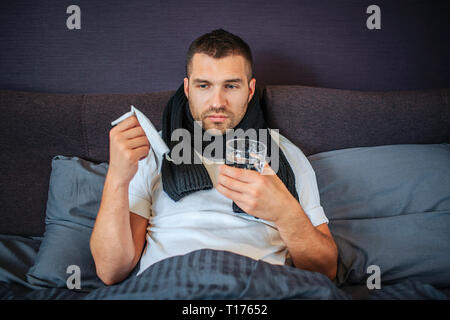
<point>139,46</point>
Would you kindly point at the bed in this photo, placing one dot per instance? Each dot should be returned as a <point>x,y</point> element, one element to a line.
<point>382,163</point>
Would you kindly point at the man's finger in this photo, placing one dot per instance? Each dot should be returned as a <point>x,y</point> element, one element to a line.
<point>238,173</point>
<point>142,152</point>
<point>230,194</point>
<point>134,132</point>
<point>232,184</point>
<point>267,170</point>
<point>138,142</point>
<point>128,123</point>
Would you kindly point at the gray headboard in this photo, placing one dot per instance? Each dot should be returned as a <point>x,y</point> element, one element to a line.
<point>35,127</point>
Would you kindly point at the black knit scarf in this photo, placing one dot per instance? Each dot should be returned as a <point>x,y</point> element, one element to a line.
<point>180,180</point>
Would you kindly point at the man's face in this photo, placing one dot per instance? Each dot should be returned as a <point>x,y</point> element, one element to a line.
<point>218,91</point>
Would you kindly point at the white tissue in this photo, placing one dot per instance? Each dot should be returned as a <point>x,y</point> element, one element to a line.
<point>157,144</point>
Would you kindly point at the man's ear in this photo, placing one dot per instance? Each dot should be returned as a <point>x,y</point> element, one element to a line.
<point>186,87</point>
<point>251,89</point>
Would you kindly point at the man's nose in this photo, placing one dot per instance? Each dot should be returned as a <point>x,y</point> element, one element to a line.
<point>218,100</point>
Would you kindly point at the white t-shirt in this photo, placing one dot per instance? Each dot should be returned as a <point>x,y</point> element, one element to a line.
<point>205,219</point>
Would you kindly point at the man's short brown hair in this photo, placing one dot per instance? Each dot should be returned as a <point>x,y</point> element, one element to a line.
<point>219,44</point>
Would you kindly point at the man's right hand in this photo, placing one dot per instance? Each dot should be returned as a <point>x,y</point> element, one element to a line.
<point>127,145</point>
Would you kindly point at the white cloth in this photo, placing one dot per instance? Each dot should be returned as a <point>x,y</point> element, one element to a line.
<point>158,145</point>
<point>205,219</point>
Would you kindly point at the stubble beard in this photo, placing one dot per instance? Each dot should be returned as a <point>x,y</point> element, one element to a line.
<point>218,128</point>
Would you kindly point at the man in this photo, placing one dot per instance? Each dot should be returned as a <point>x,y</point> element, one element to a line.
<point>176,211</point>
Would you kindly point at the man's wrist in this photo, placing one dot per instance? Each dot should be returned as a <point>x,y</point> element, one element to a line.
<point>116,182</point>
<point>289,217</point>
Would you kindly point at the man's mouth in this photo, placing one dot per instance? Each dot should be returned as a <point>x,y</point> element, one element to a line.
<point>217,118</point>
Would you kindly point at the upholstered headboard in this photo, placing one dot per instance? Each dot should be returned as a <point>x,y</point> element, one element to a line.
<point>35,127</point>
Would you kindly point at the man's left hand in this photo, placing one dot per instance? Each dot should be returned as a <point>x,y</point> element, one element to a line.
<point>262,195</point>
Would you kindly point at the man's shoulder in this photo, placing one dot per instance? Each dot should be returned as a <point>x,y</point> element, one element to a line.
<point>285,143</point>
<point>293,153</point>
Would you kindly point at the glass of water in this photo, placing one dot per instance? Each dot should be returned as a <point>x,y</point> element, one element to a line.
<point>246,153</point>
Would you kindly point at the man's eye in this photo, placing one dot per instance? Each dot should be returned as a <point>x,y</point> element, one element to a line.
<point>203,86</point>
<point>231,86</point>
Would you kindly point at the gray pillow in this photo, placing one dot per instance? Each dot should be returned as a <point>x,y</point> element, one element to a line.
<point>388,206</point>
<point>74,196</point>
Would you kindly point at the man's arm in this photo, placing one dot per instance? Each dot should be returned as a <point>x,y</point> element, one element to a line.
<point>118,236</point>
<point>311,248</point>
<point>265,196</point>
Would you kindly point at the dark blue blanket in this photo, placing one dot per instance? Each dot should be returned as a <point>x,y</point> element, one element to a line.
<point>212,274</point>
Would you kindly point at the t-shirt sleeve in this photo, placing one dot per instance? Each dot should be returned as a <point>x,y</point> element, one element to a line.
<point>309,198</point>
<point>139,191</point>
<point>306,182</point>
